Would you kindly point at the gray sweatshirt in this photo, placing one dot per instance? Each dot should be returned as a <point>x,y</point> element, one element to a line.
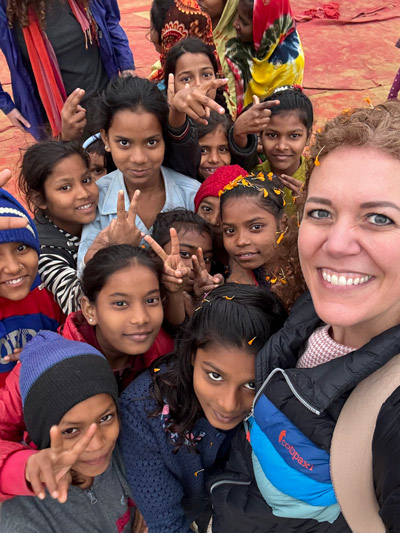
<point>103,508</point>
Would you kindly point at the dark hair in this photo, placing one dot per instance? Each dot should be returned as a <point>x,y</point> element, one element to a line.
<point>98,147</point>
<point>107,261</point>
<point>274,201</point>
<point>293,99</point>
<point>39,161</point>
<point>132,93</point>
<point>158,12</point>
<point>178,219</point>
<point>215,120</point>
<point>231,315</point>
<point>190,45</point>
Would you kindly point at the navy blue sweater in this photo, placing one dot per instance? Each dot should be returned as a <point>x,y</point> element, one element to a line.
<point>169,489</point>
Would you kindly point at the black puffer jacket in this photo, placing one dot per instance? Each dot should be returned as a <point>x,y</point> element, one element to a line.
<point>312,399</point>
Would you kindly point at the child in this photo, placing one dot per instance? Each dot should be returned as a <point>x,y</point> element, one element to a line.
<point>124,328</point>
<point>177,422</point>
<point>25,306</point>
<point>285,138</point>
<point>267,52</point>
<point>255,236</point>
<point>56,181</point>
<point>101,162</point>
<point>70,410</point>
<point>133,117</point>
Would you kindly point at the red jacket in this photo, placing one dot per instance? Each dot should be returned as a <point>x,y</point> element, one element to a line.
<point>13,454</point>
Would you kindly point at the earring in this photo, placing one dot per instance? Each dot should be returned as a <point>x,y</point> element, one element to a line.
<point>90,319</point>
<point>106,147</point>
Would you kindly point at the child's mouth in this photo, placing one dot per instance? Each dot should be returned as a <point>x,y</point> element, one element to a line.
<point>16,281</point>
<point>85,207</point>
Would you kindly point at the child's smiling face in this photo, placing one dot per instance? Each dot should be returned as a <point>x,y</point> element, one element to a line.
<point>214,152</point>
<point>18,269</point>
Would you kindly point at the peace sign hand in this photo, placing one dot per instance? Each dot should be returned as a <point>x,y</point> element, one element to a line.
<point>123,230</point>
<point>254,120</point>
<point>51,467</point>
<point>175,271</point>
<point>73,116</point>
<point>194,101</point>
<point>203,280</point>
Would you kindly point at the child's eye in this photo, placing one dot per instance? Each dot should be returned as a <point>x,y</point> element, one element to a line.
<point>22,248</point>
<point>185,79</point>
<point>65,187</point>
<point>271,135</point>
<point>208,74</point>
<point>87,180</point>
<point>206,209</point>
<point>120,304</point>
<point>380,220</point>
<point>107,418</point>
<point>124,143</point>
<point>153,301</point>
<point>184,255</point>
<point>207,260</point>
<point>295,135</point>
<point>203,149</point>
<point>229,231</point>
<point>223,149</point>
<point>256,227</point>
<point>250,385</point>
<point>70,432</point>
<point>152,143</point>
<point>318,214</point>
<point>214,376</point>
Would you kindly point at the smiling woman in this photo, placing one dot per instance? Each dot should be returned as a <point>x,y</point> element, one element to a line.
<point>340,333</point>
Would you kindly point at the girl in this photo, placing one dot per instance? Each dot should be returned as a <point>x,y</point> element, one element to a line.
<point>121,320</point>
<point>101,162</point>
<point>52,48</point>
<point>267,52</point>
<point>253,225</point>
<point>173,20</point>
<point>56,181</point>
<point>339,334</point>
<point>285,138</point>
<point>177,422</point>
<point>133,114</point>
<point>72,418</point>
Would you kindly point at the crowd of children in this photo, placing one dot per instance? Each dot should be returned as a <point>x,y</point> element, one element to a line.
<point>149,373</point>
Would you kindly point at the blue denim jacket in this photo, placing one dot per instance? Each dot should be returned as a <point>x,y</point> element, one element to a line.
<point>114,50</point>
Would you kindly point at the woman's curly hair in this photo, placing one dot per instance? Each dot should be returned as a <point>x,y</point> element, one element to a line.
<point>18,10</point>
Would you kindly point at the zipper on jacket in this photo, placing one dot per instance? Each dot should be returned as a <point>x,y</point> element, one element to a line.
<point>94,500</point>
<point>227,482</point>
<point>291,387</point>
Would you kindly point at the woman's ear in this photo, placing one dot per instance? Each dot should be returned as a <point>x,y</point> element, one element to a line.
<point>104,138</point>
<point>89,311</point>
<point>36,198</point>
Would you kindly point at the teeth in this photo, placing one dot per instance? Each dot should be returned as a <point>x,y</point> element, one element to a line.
<point>85,206</point>
<point>343,281</point>
<point>14,281</point>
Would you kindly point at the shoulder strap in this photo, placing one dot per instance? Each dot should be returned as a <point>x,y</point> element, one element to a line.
<point>351,449</point>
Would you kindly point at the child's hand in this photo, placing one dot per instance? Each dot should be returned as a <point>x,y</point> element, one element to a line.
<point>175,271</point>
<point>13,356</point>
<point>73,116</point>
<point>203,281</point>
<point>51,467</point>
<point>193,101</point>
<point>123,230</point>
<point>254,120</point>
<point>292,183</point>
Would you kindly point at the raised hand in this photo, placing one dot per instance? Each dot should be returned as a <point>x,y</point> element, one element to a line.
<point>254,120</point>
<point>193,101</point>
<point>203,280</point>
<point>175,271</point>
<point>123,230</point>
<point>73,116</point>
<point>292,183</point>
<point>51,467</point>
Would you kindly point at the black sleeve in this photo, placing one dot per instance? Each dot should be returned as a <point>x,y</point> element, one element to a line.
<point>386,462</point>
<point>245,157</point>
<point>182,152</point>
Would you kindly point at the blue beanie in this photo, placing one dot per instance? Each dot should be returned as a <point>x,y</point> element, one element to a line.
<point>56,374</point>
<point>10,207</point>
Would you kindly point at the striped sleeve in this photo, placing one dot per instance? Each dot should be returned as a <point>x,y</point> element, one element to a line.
<point>62,280</point>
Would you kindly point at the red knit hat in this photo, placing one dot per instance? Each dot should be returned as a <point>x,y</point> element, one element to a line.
<point>217,181</point>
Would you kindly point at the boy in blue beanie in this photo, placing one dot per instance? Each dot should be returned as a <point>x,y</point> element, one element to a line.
<point>25,306</point>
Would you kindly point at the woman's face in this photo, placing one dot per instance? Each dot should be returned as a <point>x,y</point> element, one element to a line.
<point>214,8</point>
<point>349,242</point>
<point>243,22</point>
